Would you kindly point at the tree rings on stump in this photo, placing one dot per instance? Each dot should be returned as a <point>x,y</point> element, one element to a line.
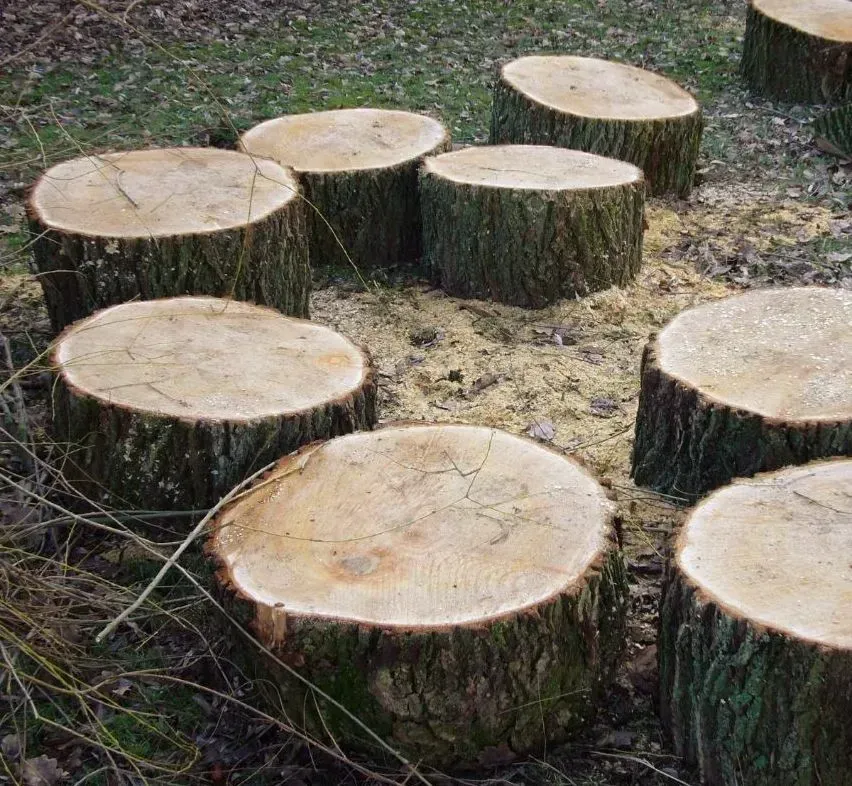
<point>359,171</point>
<point>601,107</point>
<point>797,51</point>
<point>756,631</point>
<point>168,404</point>
<point>527,225</point>
<point>159,223</point>
<point>743,385</point>
<point>459,607</point>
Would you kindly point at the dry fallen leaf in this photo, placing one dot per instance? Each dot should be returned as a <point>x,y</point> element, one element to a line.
<point>42,771</point>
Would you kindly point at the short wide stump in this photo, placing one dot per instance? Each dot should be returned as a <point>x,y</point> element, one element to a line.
<point>359,171</point>
<point>743,385</point>
<point>601,107</point>
<point>168,404</point>
<point>528,224</point>
<point>456,588</point>
<point>756,631</point>
<point>159,223</point>
<point>799,51</point>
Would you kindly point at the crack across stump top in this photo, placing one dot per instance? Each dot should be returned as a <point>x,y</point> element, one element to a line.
<point>784,354</point>
<point>532,167</point>
<point>344,140</point>
<point>827,19</point>
<point>593,88</point>
<point>160,193</point>
<point>775,551</point>
<point>200,358</point>
<point>415,527</point>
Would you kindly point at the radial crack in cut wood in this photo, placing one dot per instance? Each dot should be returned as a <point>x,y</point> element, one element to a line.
<point>450,600</point>
<point>165,222</point>
<point>167,404</point>
<point>756,632</point>
<point>359,171</point>
<point>601,107</point>
<point>745,384</point>
<point>795,51</point>
<point>528,224</point>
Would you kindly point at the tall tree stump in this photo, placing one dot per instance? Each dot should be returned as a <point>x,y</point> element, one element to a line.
<point>457,606</point>
<point>611,109</point>
<point>743,385</point>
<point>528,225</point>
<point>358,168</point>
<point>158,223</point>
<point>168,404</point>
<point>756,632</point>
<point>799,51</point>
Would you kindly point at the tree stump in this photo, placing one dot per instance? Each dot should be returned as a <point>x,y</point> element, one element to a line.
<point>756,632</point>
<point>528,225</point>
<point>601,107</point>
<point>743,385</point>
<point>834,131</point>
<point>359,169</point>
<point>168,404</point>
<point>797,51</point>
<point>458,607</point>
<point>159,223</point>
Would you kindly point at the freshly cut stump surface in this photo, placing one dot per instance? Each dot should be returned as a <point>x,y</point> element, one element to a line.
<point>168,404</point>
<point>158,223</point>
<point>457,588</point>
<point>601,107</point>
<point>527,225</point>
<point>359,170</point>
<point>799,51</point>
<point>756,631</point>
<point>743,385</point>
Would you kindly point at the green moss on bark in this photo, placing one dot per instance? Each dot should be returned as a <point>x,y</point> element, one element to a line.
<point>666,150</point>
<point>750,705</point>
<point>786,64</point>
<point>445,696</point>
<point>687,444</point>
<point>530,248</point>
<point>266,263</point>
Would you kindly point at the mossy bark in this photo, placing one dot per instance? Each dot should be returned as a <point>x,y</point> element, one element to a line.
<point>265,262</point>
<point>834,130</point>
<point>454,697</point>
<point>666,150</point>
<point>687,443</point>
<point>786,64</point>
<point>750,705</point>
<point>375,214</point>
<point>530,248</point>
<point>127,458</point>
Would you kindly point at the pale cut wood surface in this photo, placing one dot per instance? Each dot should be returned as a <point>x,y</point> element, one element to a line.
<point>415,526</point>
<point>828,19</point>
<point>208,358</point>
<point>160,193</point>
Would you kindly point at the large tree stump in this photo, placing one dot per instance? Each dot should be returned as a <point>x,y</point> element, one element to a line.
<point>358,168</point>
<point>457,588</point>
<point>756,632</point>
<point>799,51</point>
<point>611,109</point>
<point>528,225</point>
<point>743,385</point>
<point>158,223</point>
<point>168,404</point>
<point>834,131</point>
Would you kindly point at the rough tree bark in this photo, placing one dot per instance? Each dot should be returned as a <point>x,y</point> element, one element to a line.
<point>692,435</point>
<point>175,452</point>
<point>664,147</point>
<point>358,168</point>
<point>799,51</point>
<point>157,239</point>
<point>742,696</point>
<point>441,682</point>
<point>834,131</point>
<point>529,225</point>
